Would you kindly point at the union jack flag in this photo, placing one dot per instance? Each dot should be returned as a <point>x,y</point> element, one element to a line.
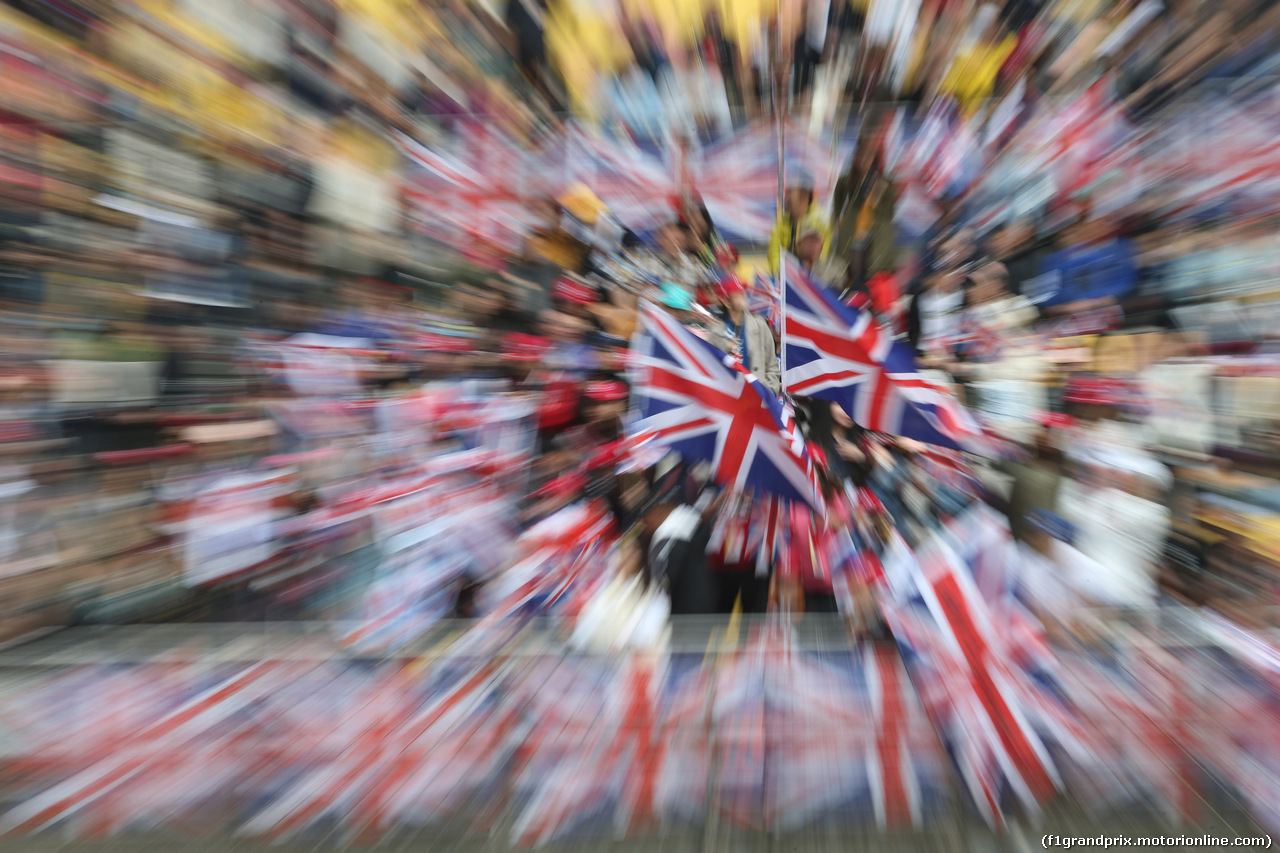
<point>1136,742</point>
<point>940,154</point>
<point>699,402</point>
<point>382,767</point>
<point>486,195</point>
<point>765,299</point>
<point>1239,722</point>
<point>841,353</point>
<point>639,188</point>
<point>155,755</point>
<point>859,705</point>
<point>736,178</point>
<point>982,703</point>
<point>598,751</point>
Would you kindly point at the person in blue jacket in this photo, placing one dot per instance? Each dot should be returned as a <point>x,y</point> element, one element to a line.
<point>1098,267</point>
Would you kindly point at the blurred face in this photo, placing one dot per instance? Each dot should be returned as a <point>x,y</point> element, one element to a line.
<point>671,240</point>
<point>841,417</point>
<point>1093,230</point>
<point>736,302</point>
<point>1002,240</point>
<point>946,281</point>
<point>798,201</point>
<point>1020,232</point>
<point>604,411</point>
<point>572,308</point>
<point>988,283</point>
<point>957,248</point>
<point>809,249</point>
<point>560,327</point>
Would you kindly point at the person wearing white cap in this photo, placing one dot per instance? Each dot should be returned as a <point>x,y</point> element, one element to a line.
<point>800,210</point>
<point>830,270</point>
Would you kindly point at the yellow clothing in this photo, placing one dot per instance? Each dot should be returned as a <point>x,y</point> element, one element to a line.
<point>557,248</point>
<point>971,79</point>
<point>784,238</point>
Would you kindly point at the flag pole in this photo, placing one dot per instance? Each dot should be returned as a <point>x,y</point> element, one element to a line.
<point>778,110</point>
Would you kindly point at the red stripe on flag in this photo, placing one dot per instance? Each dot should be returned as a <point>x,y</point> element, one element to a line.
<point>976,655</point>
<point>889,736</point>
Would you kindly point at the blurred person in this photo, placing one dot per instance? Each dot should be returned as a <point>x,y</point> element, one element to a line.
<point>507,316</point>
<point>565,331</point>
<point>705,87</point>
<point>552,244</point>
<point>677,301</point>
<point>1116,502</point>
<point>817,552</point>
<point>1097,269</point>
<point>1255,28</point>
<point>466,603</point>
<point>747,337</point>
<point>526,21</point>
<point>1005,367</point>
<point>636,102</point>
<point>522,352</point>
<point>993,312</point>
<point>742,584</point>
<point>357,317</point>
<point>933,315</point>
<point>831,270</point>
<point>702,322</point>
<point>704,240</point>
<point>835,72</point>
<point>724,51</point>
<point>1050,569</point>
<point>619,314</point>
<point>645,46</point>
<point>865,201</point>
<point>801,207</point>
<point>673,257</point>
<point>604,402</point>
<point>1015,245</point>
<point>594,430</point>
<point>936,240</point>
<point>762,75</point>
<point>971,77</point>
<point>841,442</point>
<point>678,533</point>
<point>563,361</point>
<point>573,297</point>
<point>1035,477</point>
<point>1183,63</point>
<point>807,50</point>
<point>1070,67</point>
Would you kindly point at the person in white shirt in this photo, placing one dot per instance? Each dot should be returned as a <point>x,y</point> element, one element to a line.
<point>1005,366</point>
<point>1115,501</point>
<point>933,317</point>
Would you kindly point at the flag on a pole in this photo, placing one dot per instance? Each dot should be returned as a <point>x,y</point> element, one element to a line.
<point>700,403</point>
<point>764,298</point>
<point>838,352</point>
